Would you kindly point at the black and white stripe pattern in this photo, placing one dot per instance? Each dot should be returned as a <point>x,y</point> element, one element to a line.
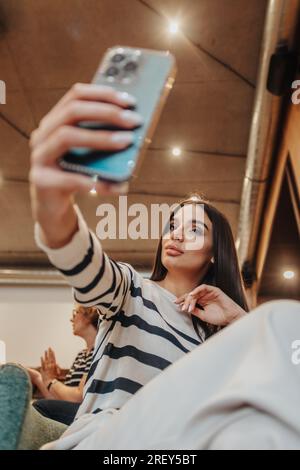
<point>142,331</point>
<point>80,366</point>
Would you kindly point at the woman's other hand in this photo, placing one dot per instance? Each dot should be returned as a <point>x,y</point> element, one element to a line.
<point>218,308</point>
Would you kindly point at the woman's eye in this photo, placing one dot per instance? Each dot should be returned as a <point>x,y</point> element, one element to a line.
<point>197,230</point>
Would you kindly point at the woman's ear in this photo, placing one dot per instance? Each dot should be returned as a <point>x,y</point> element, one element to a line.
<point>212,260</point>
<point>86,320</point>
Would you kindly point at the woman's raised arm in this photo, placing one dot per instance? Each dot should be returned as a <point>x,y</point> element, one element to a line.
<point>60,228</point>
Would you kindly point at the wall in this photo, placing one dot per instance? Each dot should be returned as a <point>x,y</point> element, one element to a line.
<point>33,318</point>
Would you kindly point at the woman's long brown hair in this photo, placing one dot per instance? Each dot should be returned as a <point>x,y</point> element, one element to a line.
<point>224,272</point>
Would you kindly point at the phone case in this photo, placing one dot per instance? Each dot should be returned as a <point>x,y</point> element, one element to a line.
<point>146,74</point>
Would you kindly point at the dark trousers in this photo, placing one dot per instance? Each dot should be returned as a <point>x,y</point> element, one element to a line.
<point>58,410</point>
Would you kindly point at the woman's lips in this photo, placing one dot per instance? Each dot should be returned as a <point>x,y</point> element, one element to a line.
<point>173,251</point>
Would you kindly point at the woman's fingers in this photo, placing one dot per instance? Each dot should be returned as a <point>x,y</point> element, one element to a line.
<point>52,355</point>
<point>202,289</point>
<point>186,303</point>
<point>197,312</point>
<point>205,289</point>
<point>95,92</point>
<point>52,178</point>
<point>205,293</point>
<point>85,111</point>
<point>57,134</point>
<point>180,299</point>
<point>189,305</point>
<point>47,178</point>
<point>67,137</point>
<point>46,356</point>
<point>192,305</point>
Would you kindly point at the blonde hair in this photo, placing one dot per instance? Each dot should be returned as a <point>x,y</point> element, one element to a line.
<point>91,313</point>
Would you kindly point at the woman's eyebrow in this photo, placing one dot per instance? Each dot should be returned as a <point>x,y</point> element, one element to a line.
<point>194,221</point>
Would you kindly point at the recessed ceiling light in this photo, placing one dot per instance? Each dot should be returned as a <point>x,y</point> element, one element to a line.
<point>176,151</point>
<point>93,191</point>
<point>173,27</point>
<point>288,274</point>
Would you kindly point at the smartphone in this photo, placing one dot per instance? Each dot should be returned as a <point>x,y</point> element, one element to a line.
<point>146,74</point>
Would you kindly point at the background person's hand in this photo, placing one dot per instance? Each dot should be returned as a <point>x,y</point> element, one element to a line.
<point>51,187</point>
<point>52,358</point>
<point>218,308</point>
<point>48,366</point>
<point>35,375</point>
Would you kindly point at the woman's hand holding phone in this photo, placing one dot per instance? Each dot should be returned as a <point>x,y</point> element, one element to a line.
<point>52,189</point>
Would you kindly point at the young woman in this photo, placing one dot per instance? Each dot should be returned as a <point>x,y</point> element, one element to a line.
<point>147,324</point>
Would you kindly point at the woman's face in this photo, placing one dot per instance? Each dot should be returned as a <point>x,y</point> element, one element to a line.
<point>188,246</point>
<point>79,321</point>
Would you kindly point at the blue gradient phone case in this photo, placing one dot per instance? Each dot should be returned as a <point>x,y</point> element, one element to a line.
<point>146,74</point>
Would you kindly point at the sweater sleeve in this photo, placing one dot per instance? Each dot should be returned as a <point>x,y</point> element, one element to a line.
<point>96,279</point>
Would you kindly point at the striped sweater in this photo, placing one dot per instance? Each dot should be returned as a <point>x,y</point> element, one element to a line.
<point>80,366</point>
<point>142,331</point>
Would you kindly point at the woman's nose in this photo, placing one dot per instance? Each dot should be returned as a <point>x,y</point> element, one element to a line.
<point>177,234</point>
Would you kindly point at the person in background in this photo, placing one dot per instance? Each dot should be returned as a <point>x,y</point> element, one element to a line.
<point>62,398</point>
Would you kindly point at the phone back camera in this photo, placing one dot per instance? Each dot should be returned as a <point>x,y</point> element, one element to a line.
<point>130,66</point>
<point>117,58</point>
<point>112,71</point>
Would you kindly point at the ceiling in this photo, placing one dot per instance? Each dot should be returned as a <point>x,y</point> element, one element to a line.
<point>47,46</point>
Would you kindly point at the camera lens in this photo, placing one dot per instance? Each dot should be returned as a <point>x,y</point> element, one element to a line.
<point>130,66</point>
<point>118,58</point>
<point>112,71</point>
